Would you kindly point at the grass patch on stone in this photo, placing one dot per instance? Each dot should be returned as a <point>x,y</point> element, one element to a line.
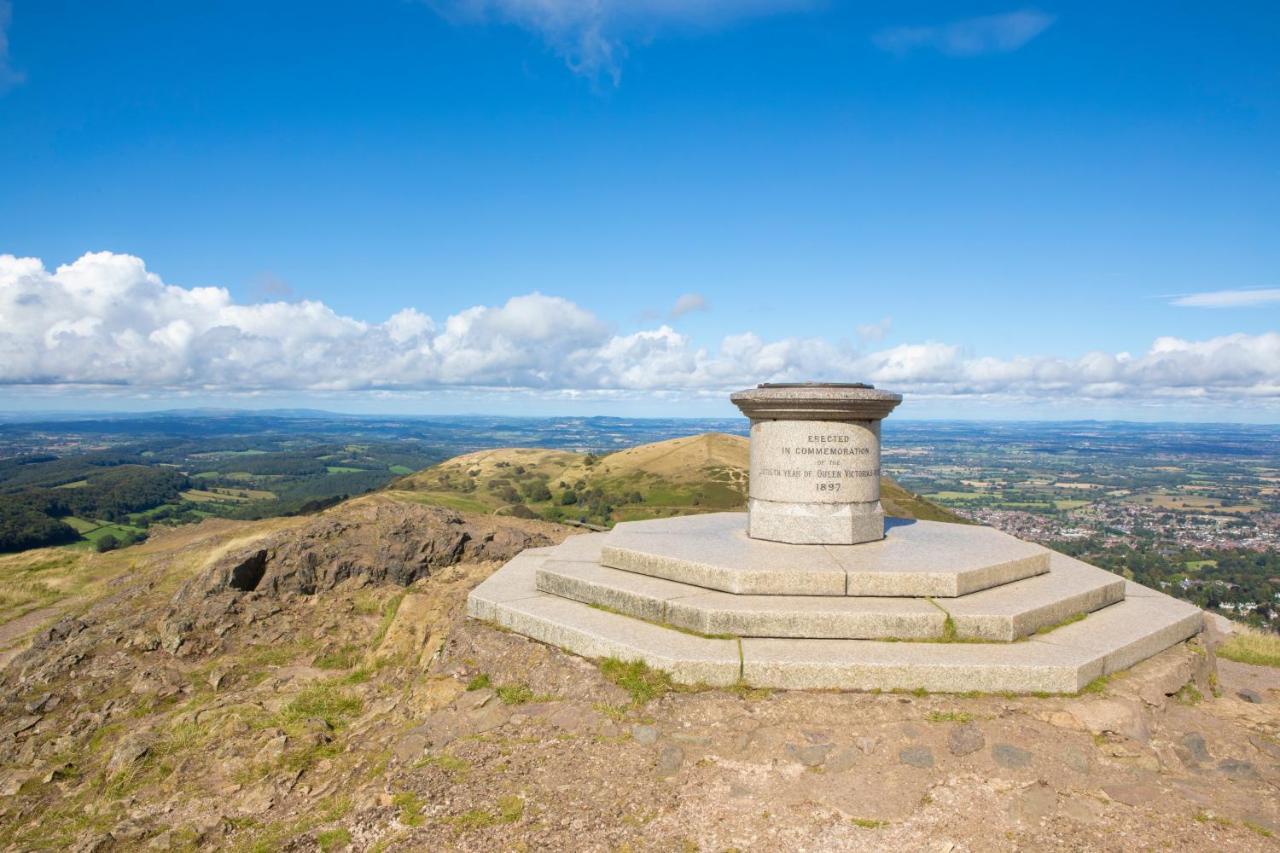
<point>948,717</point>
<point>743,690</point>
<point>1203,816</point>
<point>389,611</point>
<point>637,678</point>
<point>1062,623</point>
<point>868,823</point>
<point>1252,647</point>
<point>1260,830</point>
<point>480,682</point>
<point>342,658</point>
<point>410,806</point>
<point>449,764</point>
<point>333,839</point>
<point>509,810</point>
<point>1098,686</point>
<point>325,700</point>
<point>514,694</point>
<point>1189,695</point>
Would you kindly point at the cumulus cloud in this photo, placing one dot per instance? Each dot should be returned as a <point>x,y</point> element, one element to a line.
<point>105,320</point>
<point>969,37</point>
<point>1228,298</point>
<point>687,303</point>
<point>591,36</point>
<point>8,76</point>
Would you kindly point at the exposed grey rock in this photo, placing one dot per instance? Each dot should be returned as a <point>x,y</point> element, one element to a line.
<point>1251,696</point>
<point>1193,747</point>
<point>811,755</point>
<point>644,734</point>
<point>1009,756</point>
<point>1236,769</point>
<point>843,759</point>
<point>916,756</point>
<point>670,758</point>
<point>965,739</point>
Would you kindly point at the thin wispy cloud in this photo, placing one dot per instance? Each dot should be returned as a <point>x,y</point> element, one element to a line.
<point>106,322</point>
<point>874,332</point>
<point>1002,33</point>
<point>8,76</point>
<point>687,303</point>
<point>1245,298</point>
<point>592,36</point>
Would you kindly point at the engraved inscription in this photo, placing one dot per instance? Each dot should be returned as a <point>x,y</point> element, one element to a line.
<point>795,462</point>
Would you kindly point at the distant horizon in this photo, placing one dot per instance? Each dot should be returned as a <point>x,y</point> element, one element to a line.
<point>8,416</point>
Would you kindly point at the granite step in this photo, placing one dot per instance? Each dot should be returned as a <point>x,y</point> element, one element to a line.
<point>915,559</point>
<point>706,611</point>
<point>1062,661</point>
<point>1000,614</point>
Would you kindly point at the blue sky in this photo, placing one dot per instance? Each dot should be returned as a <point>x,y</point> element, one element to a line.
<point>1051,211</point>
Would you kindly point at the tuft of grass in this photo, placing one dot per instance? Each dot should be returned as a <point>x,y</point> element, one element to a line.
<point>514,694</point>
<point>1073,618</point>
<point>1260,830</point>
<point>1189,695</point>
<point>324,700</point>
<point>1097,686</point>
<point>743,690</point>
<point>948,717</point>
<point>333,839</point>
<point>510,809</point>
<point>637,678</point>
<point>389,611</point>
<point>410,806</point>
<point>343,658</point>
<point>868,823</point>
<point>1203,816</point>
<point>1253,647</point>
<point>446,762</point>
<point>480,682</point>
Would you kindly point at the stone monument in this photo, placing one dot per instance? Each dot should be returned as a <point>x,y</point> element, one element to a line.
<point>811,588</point>
<point>815,461</point>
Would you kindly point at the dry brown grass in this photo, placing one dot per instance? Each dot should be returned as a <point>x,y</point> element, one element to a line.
<point>1249,646</point>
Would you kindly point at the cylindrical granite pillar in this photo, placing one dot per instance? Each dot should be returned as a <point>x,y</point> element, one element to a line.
<point>815,461</point>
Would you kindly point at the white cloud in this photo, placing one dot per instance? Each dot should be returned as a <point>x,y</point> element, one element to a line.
<point>687,303</point>
<point>874,332</point>
<point>969,37</point>
<point>106,321</point>
<point>1228,298</point>
<point>591,36</point>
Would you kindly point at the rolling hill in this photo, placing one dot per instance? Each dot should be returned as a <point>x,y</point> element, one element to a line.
<point>700,473</point>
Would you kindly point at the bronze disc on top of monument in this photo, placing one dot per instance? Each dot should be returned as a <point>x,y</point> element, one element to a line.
<point>815,461</point>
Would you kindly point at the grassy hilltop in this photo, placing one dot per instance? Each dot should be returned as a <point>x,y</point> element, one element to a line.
<point>700,473</point>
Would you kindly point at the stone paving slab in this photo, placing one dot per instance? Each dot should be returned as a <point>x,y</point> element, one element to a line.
<point>1008,612</point>
<point>915,559</point>
<point>696,609</point>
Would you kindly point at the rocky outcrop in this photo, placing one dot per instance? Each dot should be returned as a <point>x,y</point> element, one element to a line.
<point>382,540</point>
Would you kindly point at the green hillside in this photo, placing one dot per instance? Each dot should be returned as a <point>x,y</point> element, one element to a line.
<point>701,473</point>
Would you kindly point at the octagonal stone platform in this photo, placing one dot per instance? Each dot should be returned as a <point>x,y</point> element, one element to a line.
<point>1007,616</point>
<point>915,559</point>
